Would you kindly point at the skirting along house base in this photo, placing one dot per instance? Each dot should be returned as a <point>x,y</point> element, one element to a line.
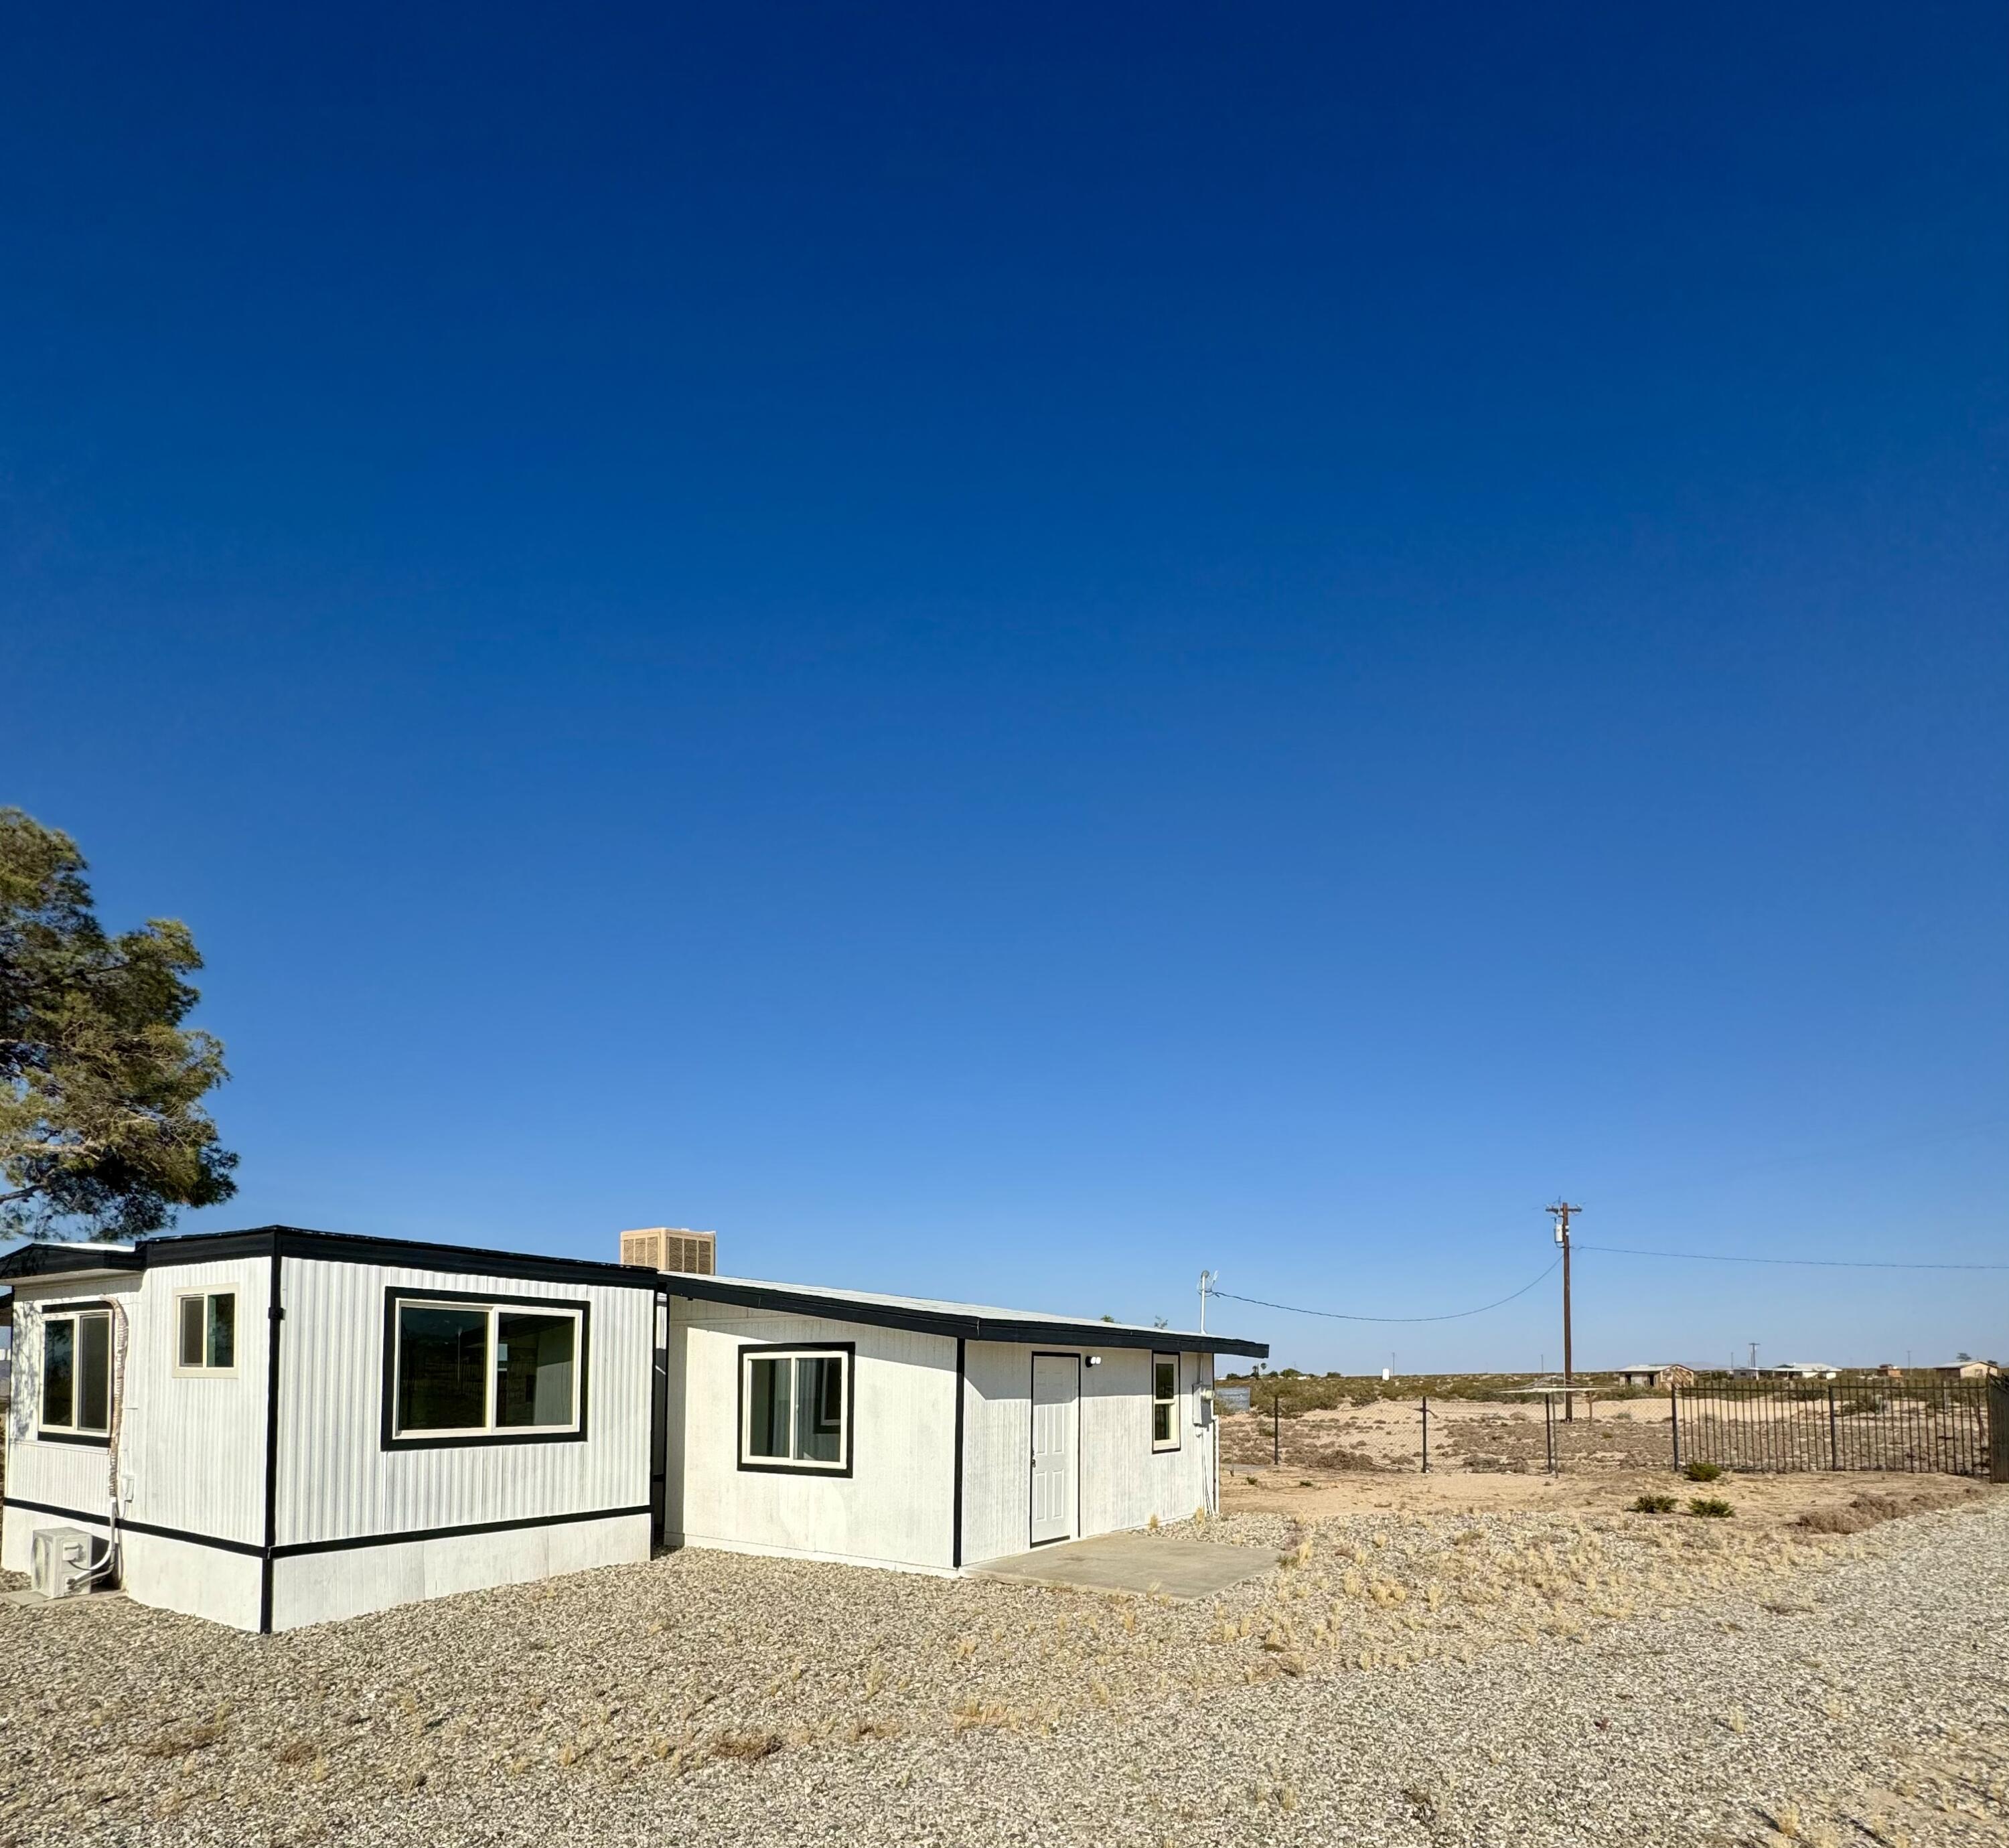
<point>281,1427</point>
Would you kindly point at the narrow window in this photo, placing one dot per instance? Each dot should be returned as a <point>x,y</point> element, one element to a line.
<point>483,1370</point>
<point>1164,1401</point>
<point>796,1409</point>
<point>77,1373</point>
<point>206,1332</point>
<point>59,1372</point>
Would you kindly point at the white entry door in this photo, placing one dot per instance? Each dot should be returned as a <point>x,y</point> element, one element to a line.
<point>1056,1434</point>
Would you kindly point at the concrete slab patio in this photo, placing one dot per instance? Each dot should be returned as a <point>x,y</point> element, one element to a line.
<point>1183,1570</point>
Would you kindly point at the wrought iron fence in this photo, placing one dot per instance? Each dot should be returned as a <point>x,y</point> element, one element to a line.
<point>1925,1423</point>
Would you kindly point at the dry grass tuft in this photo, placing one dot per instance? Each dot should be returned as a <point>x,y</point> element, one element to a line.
<point>748,1747</point>
<point>177,1742</point>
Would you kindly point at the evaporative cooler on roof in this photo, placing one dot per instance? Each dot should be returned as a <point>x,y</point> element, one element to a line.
<point>672,1247</point>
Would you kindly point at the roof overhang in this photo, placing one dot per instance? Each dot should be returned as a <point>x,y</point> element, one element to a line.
<point>42,1258</point>
<point>928,1319</point>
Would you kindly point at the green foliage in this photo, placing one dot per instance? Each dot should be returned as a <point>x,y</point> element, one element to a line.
<point>101,1128</point>
<point>1654,1504</point>
<point>1703,1472</point>
<point>1712,1507</point>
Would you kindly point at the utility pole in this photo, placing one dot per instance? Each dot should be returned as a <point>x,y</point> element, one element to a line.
<point>1207,1280</point>
<point>1561,1212</point>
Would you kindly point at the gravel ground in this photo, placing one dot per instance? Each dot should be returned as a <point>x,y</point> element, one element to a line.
<point>1493,1679</point>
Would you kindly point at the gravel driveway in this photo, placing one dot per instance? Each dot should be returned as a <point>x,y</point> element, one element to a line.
<point>1509,1679</point>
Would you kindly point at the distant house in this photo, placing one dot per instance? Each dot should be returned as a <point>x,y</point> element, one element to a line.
<point>1886,1370</point>
<point>1658,1373</point>
<point>1803,1370</point>
<point>1965,1370</point>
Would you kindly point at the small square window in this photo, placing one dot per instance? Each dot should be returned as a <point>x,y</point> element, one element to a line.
<point>206,1332</point>
<point>796,1409</point>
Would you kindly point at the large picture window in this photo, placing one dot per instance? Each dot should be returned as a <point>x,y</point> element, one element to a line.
<point>473,1370</point>
<point>1164,1402</point>
<point>76,1375</point>
<point>795,1409</point>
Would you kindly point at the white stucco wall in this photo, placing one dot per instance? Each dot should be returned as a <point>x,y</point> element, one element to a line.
<point>1124,1480</point>
<point>895,1508</point>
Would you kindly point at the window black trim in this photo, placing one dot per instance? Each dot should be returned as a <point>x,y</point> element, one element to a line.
<point>90,1440</point>
<point>394,1294</point>
<point>749,1349</point>
<point>1032,1412</point>
<point>1178,1387</point>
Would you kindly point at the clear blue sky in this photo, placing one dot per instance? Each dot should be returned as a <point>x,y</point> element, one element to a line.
<point>1008,653</point>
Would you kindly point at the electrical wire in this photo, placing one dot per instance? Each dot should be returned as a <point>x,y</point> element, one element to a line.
<point>1337,1316</point>
<point>1620,1250</point>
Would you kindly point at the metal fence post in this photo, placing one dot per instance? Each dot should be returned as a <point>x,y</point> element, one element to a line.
<point>1277,1427</point>
<point>1675,1419</point>
<point>1833,1433</point>
<point>1427,1434</point>
<point>1549,1427</point>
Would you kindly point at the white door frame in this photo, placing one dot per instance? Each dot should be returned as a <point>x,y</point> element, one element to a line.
<point>1073,1428</point>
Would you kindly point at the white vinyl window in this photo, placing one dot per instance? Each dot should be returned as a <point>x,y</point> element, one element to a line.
<point>206,1332</point>
<point>77,1373</point>
<point>1164,1402</point>
<point>473,1370</point>
<point>795,1409</point>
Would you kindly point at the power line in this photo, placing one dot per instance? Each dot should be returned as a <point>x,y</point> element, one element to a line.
<point>1337,1316</point>
<point>1621,1251</point>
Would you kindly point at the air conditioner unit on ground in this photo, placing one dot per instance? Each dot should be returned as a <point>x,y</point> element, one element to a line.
<point>59,1561</point>
<point>672,1247</point>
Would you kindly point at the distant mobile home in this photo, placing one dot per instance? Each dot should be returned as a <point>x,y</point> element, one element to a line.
<point>283,1427</point>
<point>1656,1373</point>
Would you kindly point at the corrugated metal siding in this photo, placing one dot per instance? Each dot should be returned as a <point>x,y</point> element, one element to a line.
<point>63,1475</point>
<point>897,1504</point>
<point>195,1446</point>
<point>336,1482</point>
<point>1124,1481</point>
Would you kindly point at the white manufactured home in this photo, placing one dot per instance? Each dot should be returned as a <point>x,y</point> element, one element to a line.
<point>282,1426</point>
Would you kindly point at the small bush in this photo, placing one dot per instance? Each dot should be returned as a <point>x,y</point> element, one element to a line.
<point>1703,1472</point>
<point>1712,1507</point>
<point>1654,1504</point>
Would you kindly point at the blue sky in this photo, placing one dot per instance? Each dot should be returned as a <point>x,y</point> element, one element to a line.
<point>1006,656</point>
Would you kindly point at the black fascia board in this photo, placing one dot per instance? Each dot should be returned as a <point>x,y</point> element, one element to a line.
<point>1026,1330</point>
<point>351,1248</point>
<point>45,1258</point>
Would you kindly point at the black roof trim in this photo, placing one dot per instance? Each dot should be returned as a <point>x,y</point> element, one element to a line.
<point>43,1259</point>
<point>790,1301</point>
<point>351,1248</point>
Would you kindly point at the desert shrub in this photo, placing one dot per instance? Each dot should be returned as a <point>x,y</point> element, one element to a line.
<point>1654,1504</point>
<point>1703,1472</point>
<point>1712,1507</point>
